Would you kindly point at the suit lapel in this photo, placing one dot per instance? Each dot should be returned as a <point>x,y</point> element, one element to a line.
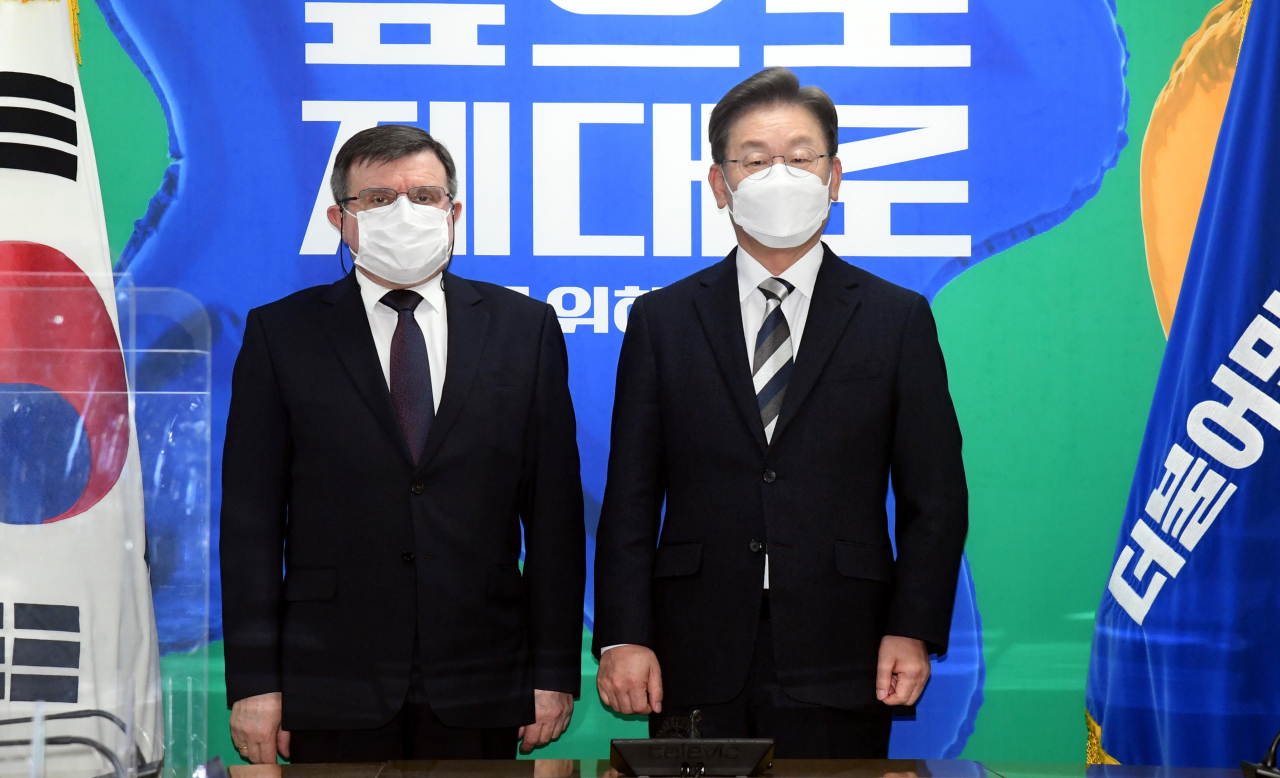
<point>835,298</point>
<point>720,311</point>
<point>468,325</point>
<point>347,325</point>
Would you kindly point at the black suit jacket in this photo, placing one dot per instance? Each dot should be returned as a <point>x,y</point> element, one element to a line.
<point>867,403</point>
<point>317,475</point>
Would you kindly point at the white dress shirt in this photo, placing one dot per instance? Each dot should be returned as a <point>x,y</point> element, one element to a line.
<point>802,275</point>
<point>430,315</point>
<point>795,307</point>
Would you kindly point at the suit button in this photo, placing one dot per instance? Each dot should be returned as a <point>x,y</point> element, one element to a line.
<point>418,487</point>
<point>770,476</point>
<point>407,557</point>
<point>755,546</point>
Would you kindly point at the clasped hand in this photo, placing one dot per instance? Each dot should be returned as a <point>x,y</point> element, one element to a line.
<point>553,710</point>
<point>256,732</point>
<point>903,670</point>
<point>630,680</point>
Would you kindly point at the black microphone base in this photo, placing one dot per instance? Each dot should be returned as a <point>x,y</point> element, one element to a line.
<point>1255,770</point>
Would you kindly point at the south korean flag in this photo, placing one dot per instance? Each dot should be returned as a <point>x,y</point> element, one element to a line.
<point>77,630</point>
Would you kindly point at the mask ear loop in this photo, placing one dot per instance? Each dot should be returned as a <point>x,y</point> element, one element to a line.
<point>449,262</point>
<point>342,241</point>
<point>728,190</point>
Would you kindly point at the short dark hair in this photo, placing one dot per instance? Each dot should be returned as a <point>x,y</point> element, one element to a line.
<point>386,143</point>
<point>771,86</point>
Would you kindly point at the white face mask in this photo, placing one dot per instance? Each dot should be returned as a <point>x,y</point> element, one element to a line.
<point>780,208</point>
<point>404,243</point>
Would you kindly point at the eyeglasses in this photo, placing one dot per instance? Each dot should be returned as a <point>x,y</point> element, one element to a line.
<point>382,197</point>
<point>798,161</point>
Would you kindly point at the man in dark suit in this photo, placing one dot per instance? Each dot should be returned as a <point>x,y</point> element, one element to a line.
<point>769,401</point>
<point>389,436</point>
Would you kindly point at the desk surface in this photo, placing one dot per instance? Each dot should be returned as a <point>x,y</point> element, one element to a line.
<point>782,768</point>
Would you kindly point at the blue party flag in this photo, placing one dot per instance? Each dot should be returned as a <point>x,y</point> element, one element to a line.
<point>1185,667</point>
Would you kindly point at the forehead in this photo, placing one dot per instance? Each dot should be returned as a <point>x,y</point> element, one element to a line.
<point>421,169</point>
<point>779,126</point>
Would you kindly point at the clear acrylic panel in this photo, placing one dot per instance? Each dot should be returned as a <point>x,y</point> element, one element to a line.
<point>104,525</point>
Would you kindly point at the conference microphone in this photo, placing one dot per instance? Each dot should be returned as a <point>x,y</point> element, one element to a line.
<point>1267,768</point>
<point>680,751</point>
<point>214,768</point>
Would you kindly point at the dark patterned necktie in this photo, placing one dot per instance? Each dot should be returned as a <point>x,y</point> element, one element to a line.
<point>410,372</point>
<point>771,367</point>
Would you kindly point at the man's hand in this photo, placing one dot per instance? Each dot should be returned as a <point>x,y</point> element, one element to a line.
<point>903,670</point>
<point>629,680</point>
<point>553,709</point>
<point>255,728</point>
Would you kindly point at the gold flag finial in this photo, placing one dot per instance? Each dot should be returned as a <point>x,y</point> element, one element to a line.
<point>1094,754</point>
<point>1244,23</point>
<point>73,7</point>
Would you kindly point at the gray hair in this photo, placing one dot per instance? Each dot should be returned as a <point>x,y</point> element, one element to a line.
<point>386,143</point>
<point>771,86</point>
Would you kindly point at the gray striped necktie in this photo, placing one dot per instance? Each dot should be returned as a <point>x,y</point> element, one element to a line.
<point>772,364</point>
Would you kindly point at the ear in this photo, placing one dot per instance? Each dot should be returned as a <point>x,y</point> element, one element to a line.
<point>719,187</point>
<point>334,212</point>
<point>837,172</point>
<point>457,211</point>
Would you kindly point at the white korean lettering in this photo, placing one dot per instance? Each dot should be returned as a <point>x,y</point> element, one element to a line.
<point>557,184</point>
<point>1175,466</point>
<point>633,55</point>
<point>448,123</point>
<point>927,131</point>
<point>673,171</point>
<point>491,202</point>
<point>622,308</point>
<point>867,38</point>
<point>583,303</point>
<point>1153,550</point>
<point>357,34</point>
<point>868,221</point>
<point>932,130</point>
<point>1231,418</point>
<point>352,117</point>
<point>637,7</point>
<point>1197,525</point>
<point>1245,353</point>
<point>1193,498</point>
<point>1273,304</point>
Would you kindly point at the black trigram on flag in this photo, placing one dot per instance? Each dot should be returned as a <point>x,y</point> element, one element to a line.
<point>26,120</point>
<point>37,665</point>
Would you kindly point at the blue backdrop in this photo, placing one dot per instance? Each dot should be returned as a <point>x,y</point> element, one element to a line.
<point>578,131</point>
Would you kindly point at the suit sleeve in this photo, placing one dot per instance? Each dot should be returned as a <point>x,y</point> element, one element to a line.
<point>255,488</point>
<point>932,499</point>
<point>635,489</point>
<point>555,564</point>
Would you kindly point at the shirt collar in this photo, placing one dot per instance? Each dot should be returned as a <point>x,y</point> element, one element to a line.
<point>803,275</point>
<point>432,291</point>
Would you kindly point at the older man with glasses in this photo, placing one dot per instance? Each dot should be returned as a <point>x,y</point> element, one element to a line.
<point>389,438</point>
<point>764,407</point>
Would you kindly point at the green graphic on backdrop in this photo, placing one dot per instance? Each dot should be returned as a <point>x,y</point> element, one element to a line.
<point>1053,348</point>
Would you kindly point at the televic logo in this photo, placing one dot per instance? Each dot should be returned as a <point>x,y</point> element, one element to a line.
<point>693,751</point>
